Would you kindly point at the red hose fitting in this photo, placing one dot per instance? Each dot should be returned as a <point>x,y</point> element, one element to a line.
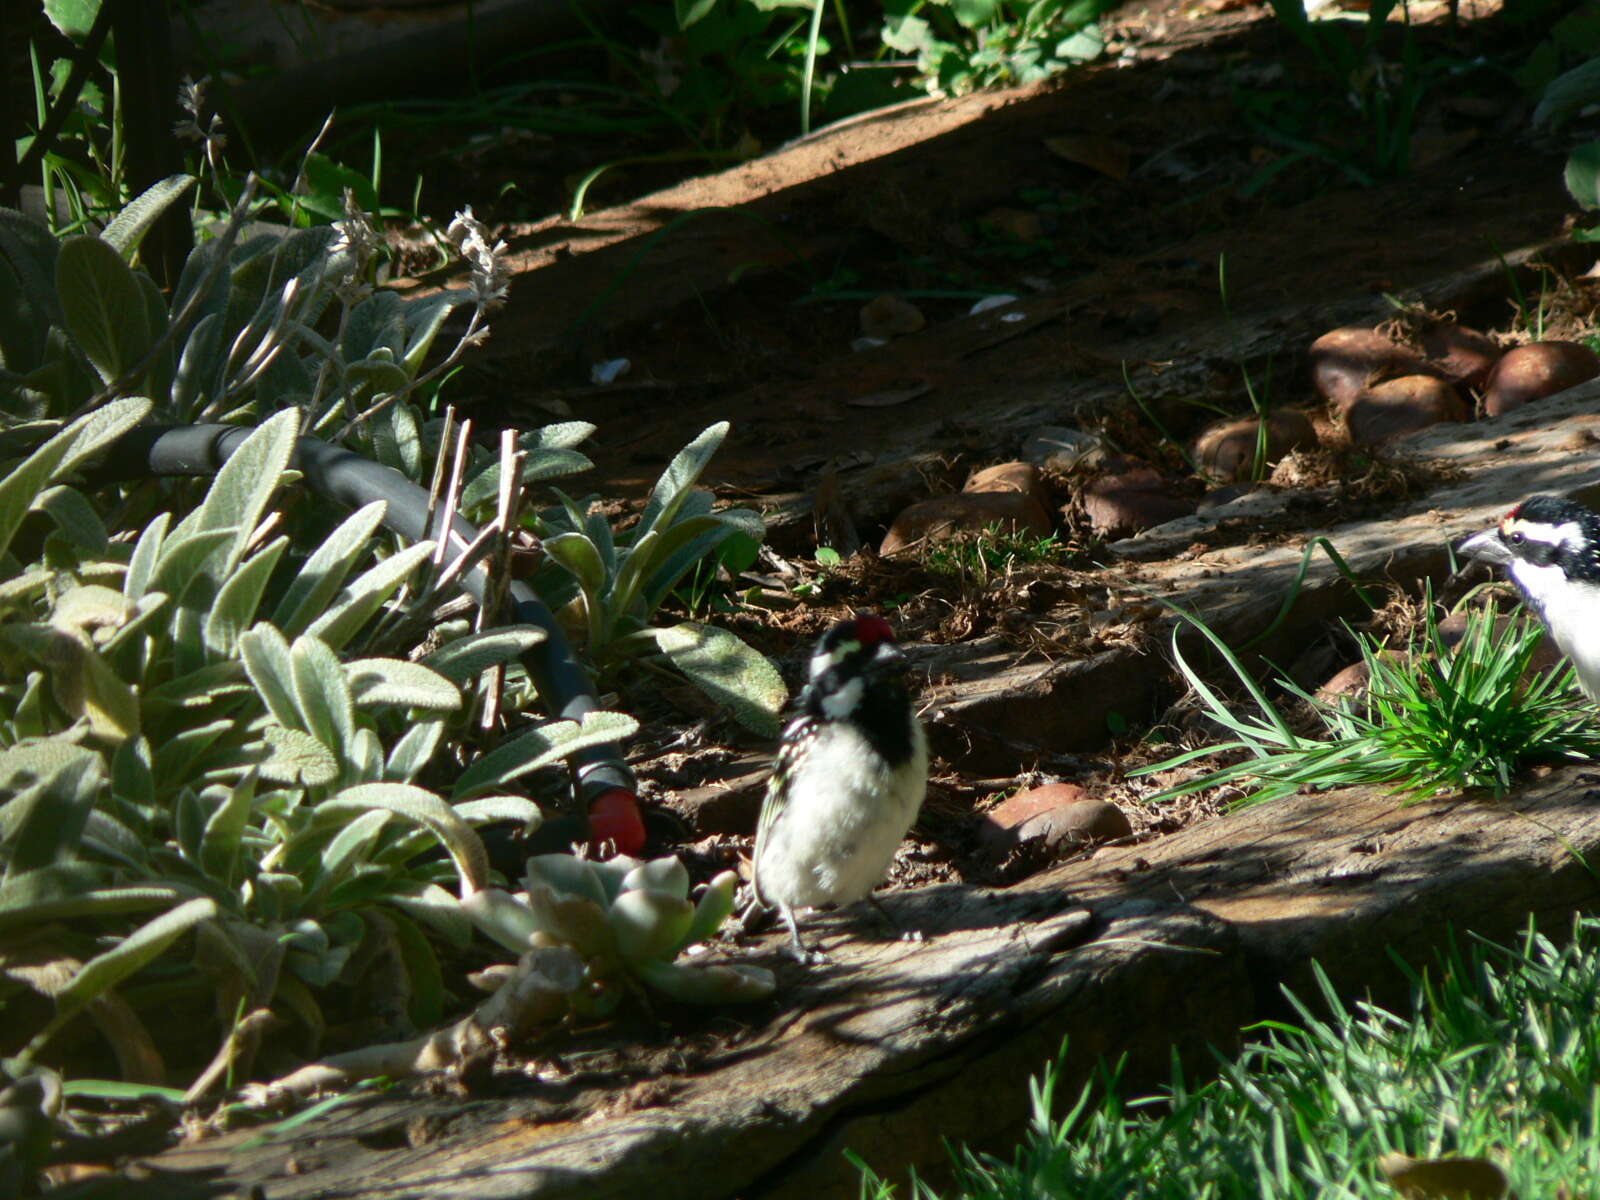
<point>614,817</point>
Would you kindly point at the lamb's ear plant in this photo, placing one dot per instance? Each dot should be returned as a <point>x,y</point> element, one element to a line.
<point>629,920</point>
<point>282,318</point>
<point>616,582</point>
<point>1433,718</point>
<point>217,795</point>
<point>202,784</point>
<point>246,334</point>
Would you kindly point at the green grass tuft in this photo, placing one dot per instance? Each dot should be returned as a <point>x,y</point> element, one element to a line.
<point>989,552</point>
<point>1434,718</point>
<point>1498,1059</point>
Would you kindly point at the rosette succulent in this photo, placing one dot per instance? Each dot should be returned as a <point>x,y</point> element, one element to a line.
<point>630,920</point>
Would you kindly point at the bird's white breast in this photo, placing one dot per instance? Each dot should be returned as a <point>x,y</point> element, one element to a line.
<point>846,814</point>
<point>1568,608</point>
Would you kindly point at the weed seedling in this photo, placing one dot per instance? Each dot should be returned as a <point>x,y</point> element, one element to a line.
<point>978,557</point>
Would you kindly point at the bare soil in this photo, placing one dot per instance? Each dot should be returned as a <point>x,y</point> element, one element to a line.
<point>1125,207</point>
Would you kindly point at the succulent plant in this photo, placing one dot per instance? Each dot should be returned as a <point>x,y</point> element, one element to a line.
<point>629,920</point>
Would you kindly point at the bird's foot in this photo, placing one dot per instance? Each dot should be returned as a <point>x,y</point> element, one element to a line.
<point>806,957</point>
<point>811,956</point>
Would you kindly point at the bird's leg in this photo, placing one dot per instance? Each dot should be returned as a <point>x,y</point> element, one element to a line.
<point>810,958</point>
<point>754,918</point>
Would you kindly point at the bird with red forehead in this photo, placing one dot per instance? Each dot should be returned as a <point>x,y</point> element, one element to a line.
<point>1550,547</point>
<point>848,779</point>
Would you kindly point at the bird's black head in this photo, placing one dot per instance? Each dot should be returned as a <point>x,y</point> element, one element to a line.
<point>858,638</point>
<point>1543,531</point>
<point>858,674</point>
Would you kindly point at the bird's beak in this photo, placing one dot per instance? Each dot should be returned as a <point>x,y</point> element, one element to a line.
<point>1487,546</point>
<point>888,656</point>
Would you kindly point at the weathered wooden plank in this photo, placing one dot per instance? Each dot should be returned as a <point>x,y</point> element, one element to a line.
<point>1137,951</point>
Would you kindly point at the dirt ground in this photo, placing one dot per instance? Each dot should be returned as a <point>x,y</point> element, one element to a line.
<point>1169,257</point>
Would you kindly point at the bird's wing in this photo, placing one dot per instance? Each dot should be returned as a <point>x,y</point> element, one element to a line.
<point>795,737</point>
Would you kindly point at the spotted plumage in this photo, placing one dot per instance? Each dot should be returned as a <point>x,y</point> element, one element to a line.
<point>848,779</point>
<point>1550,547</point>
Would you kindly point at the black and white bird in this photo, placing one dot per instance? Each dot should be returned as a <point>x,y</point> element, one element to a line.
<point>1551,549</point>
<point>849,776</point>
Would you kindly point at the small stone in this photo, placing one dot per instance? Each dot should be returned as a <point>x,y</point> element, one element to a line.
<point>887,315</point>
<point>1228,450</point>
<point>1401,406</point>
<point>1456,1177</point>
<point>1081,823</point>
<point>1036,810</point>
<point>965,512</point>
<point>1346,361</point>
<point>1535,371</point>
<point>1349,681</point>
<point>1023,806</point>
<point>1019,477</point>
<point>1463,356</point>
<point>1126,503</point>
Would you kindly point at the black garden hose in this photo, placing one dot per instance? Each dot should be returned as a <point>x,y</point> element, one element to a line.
<point>347,478</point>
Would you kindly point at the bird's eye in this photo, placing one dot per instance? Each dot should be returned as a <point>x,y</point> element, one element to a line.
<point>1516,539</point>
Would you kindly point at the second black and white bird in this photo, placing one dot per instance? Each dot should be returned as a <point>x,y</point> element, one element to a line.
<point>849,776</point>
<point>1550,547</point>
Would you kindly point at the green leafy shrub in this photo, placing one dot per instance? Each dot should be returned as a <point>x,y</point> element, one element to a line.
<point>229,774</point>
<point>243,338</point>
<point>1563,98</point>
<point>719,56</point>
<point>82,171</point>
<point>617,582</point>
<point>961,45</point>
<point>280,319</point>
